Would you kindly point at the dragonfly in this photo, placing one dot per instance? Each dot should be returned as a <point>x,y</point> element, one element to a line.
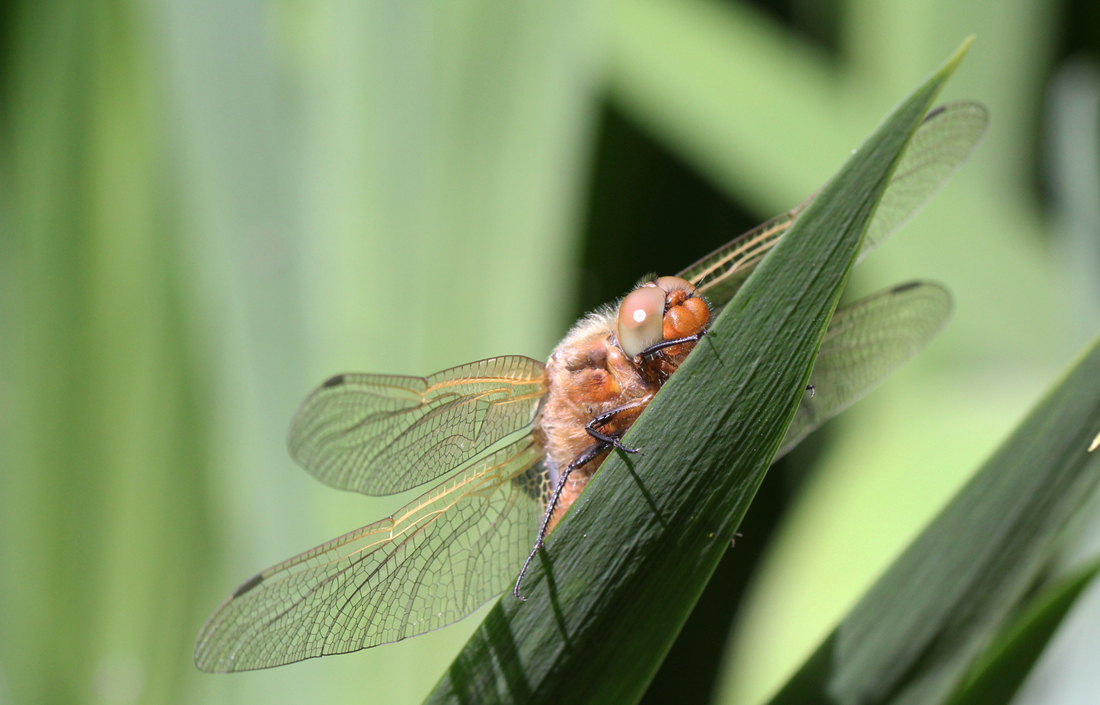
<point>489,428</point>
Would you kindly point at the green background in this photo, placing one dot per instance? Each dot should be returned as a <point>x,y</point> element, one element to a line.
<point>209,206</point>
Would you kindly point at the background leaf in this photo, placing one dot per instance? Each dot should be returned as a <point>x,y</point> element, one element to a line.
<point>998,673</point>
<point>915,635</point>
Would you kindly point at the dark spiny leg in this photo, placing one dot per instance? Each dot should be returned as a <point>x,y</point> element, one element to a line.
<point>656,347</point>
<point>586,457</point>
<point>605,439</point>
<point>810,389</point>
<point>609,440</point>
<point>603,418</point>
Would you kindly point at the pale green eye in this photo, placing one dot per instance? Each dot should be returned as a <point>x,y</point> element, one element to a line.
<point>641,320</point>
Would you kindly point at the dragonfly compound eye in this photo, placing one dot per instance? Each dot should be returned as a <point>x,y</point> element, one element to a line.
<point>685,313</point>
<point>640,321</point>
<point>671,284</point>
<point>686,318</point>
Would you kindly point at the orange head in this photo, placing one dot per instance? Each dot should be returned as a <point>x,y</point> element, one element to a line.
<point>665,309</point>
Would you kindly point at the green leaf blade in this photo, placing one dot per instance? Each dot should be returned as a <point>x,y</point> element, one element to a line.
<point>998,673</point>
<point>621,573</point>
<point>916,634</point>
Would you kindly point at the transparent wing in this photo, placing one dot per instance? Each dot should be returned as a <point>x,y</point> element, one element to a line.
<point>382,434</point>
<point>430,564</point>
<point>943,142</point>
<point>720,274</point>
<point>866,341</point>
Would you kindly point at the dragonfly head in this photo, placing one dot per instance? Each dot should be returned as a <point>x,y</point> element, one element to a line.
<point>667,308</point>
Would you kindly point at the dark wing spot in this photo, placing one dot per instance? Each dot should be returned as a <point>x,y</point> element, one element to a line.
<point>252,582</point>
<point>904,287</point>
<point>934,112</point>
<point>333,381</point>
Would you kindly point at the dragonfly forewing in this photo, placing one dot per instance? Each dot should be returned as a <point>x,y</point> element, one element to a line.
<point>865,342</point>
<point>432,563</point>
<point>721,273</point>
<point>382,434</point>
<point>942,143</point>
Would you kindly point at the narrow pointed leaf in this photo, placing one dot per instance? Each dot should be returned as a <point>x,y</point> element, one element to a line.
<point>622,571</point>
<point>916,634</point>
<point>998,673</point>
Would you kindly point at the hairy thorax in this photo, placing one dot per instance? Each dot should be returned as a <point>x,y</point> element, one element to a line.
<point>602,376</point>
<point>588,376</point>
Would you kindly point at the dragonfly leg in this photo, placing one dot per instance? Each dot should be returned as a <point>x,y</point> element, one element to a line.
<point>585,457</point>
<point>600,420</point>
<point>657,347</point>
<point>810,389</point>
<point>603,442</point>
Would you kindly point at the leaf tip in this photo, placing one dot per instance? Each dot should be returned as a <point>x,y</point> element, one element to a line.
<point>955,59</point>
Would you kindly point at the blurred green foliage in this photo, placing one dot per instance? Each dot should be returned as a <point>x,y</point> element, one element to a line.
<point>209,205</point>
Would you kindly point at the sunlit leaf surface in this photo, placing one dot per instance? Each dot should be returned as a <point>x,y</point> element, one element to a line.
<point>624,568</point>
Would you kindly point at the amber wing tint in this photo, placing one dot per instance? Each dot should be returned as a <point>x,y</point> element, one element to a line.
<point>382,434</point>
<point>866,341</point>
<point>430,564</point>
<point>943,142</point>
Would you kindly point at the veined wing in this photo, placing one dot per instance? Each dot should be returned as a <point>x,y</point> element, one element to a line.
<point>941,144</point>
<point>430,564</point>
<point>866,341</point>
<point>382,434</point>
